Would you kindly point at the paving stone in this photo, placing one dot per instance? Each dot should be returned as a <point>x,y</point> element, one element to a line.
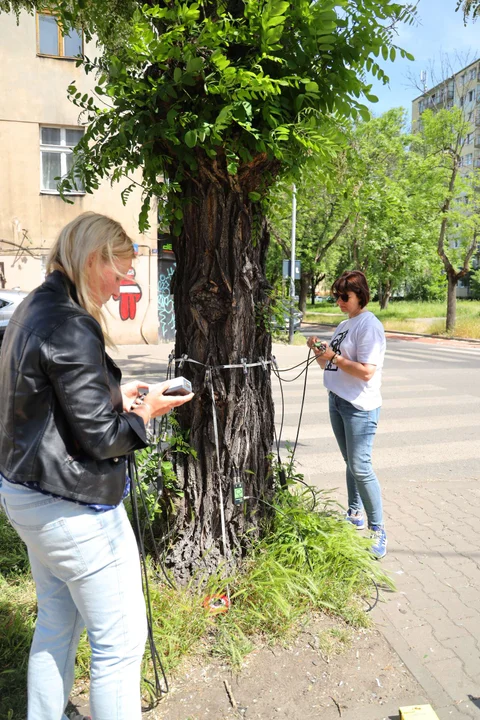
<point>420,600</point>
<point>401,614</point>
<point>456,609</point>
<point>430,582</point>
<point>467,650</point>
<point>429,649</point>
<point>472,625</point>
<point>450,674</point>
<point>443,626</point>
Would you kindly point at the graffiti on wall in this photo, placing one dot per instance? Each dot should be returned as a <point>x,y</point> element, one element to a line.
<point>130,294</point>
<point>166,313</point>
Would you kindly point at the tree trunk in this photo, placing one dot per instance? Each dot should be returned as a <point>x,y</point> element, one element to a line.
<point>451,301</point>
<point>305,280</point>
<point>220,295</point>
<point>384,294</point>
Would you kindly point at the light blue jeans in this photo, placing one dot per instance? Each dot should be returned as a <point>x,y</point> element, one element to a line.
<point>355,431</point>
<point>87,573</point>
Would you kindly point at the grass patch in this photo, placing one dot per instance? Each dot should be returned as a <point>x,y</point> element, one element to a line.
<point>308,560</point>
<point>17,622</point>
<point>334,641</point>
<point>417,317</point>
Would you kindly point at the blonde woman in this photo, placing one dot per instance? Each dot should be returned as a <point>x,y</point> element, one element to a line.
<point>66,425</point>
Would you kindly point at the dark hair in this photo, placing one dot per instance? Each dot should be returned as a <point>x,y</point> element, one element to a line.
<point>352,281</point>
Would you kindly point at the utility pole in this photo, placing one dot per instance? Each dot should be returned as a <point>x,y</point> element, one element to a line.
<point>292,263</point>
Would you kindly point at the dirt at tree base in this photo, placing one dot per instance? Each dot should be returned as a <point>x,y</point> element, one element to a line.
<point>317,676</point>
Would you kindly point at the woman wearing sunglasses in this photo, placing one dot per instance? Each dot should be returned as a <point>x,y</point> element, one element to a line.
<point>352,365</point>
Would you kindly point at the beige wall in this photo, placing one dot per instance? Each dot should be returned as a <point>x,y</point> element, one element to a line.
<point>33,93</point>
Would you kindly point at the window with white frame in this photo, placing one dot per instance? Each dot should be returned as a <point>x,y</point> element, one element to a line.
<point>468,159</point>
<point>52,41</point>
<point>469,139</point>
<point>56,156</point>
<point>471,95</point>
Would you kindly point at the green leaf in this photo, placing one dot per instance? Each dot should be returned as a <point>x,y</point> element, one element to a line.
<point>177,74</point>
<point>194,64</point>
<point>171,115</point>
<point>191,138</point>
<point>254,196</point>
<point>219,59</point>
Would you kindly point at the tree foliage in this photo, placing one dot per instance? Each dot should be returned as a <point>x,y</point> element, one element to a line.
<point>470,8</point>
<point>238,86</point>
<point>370,203</point>
<point>450,193</point>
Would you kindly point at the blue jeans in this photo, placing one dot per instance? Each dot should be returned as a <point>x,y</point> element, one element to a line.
<point>355,431</point>
<point>87,573</point>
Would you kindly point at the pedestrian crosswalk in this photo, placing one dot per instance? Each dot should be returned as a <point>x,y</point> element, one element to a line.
<point>415,353</point>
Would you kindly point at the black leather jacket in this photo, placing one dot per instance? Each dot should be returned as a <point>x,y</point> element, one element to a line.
<point>62,423</point>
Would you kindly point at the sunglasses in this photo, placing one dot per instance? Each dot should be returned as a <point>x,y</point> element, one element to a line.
<point>343,296</point>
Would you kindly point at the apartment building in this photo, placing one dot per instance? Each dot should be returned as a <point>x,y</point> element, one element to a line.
<point>462,90</point>
<point>39,127</point>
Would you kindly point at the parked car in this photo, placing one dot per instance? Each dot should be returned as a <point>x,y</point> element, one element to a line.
<point>281,318</point>
<point>9,301</point>
<point>324,298</point>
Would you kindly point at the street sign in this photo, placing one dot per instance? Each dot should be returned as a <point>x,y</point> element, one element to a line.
<point>286,269</point>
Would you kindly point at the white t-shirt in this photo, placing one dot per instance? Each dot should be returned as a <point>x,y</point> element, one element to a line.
<point>361,339</point>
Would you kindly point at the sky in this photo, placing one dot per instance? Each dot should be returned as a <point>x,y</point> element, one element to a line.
<point>439,31</point>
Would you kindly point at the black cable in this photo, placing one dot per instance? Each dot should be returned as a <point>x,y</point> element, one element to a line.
<point>281,380</point>
<point>309,362</point>
<point>377,598</point>
<point>294,367</point>
<point>148,525</point>
<point>156,660</point>
<point>302,405</point>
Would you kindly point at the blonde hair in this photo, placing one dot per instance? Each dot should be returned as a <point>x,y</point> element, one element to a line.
<point>89,233</point>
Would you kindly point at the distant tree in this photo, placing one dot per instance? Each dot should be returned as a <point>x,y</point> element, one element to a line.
<point>388,237</point>
<point>325,204</point>
<point>450,194</point>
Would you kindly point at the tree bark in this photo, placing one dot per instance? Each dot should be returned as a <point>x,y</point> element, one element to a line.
<point>220,295</point>
<point>305,280</point>
<point>452,278</point>
<point>384,294</point>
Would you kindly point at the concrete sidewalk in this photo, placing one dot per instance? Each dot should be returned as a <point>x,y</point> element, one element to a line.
<point>429,467</point>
